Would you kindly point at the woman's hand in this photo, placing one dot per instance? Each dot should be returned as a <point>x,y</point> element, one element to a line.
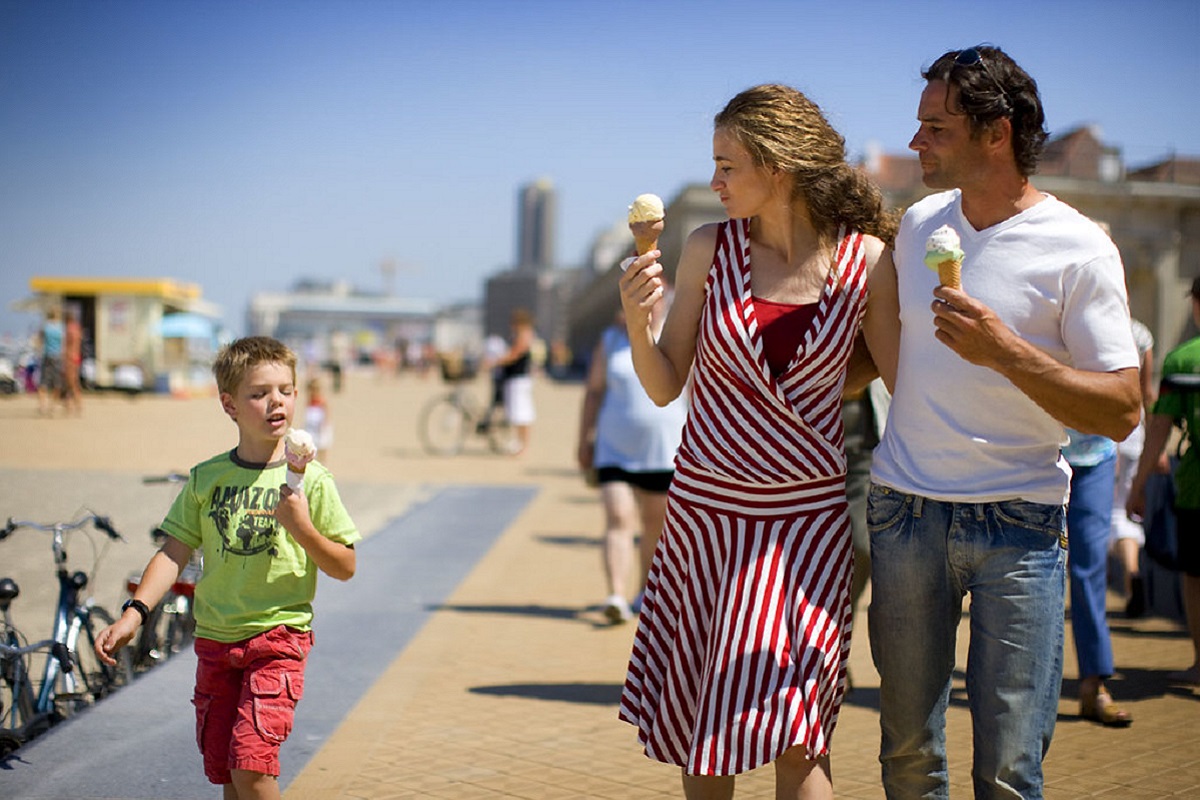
<point>642,286</point>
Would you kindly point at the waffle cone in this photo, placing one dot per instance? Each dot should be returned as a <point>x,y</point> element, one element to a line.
<point>950,274</point>
<point>293,468</point>
<point>645,244</point>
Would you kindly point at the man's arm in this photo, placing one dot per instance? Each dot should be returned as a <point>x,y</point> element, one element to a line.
<point>1107,403</point>
<point>1158,434</point>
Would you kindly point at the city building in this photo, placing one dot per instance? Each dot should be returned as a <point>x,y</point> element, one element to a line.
<point>331,321</point>
<point>536,218</point>
<point>536,282</point>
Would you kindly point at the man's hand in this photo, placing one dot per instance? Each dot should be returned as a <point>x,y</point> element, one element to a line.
<point>969,328</point>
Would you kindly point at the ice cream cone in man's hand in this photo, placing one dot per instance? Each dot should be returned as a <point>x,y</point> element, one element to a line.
<point>943,254</point>
<point>299,449</point>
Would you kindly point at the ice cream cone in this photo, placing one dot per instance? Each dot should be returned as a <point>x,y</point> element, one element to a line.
<point>645,244</point>
<point>299,449</point>
<point>295,478</point>
<point>950,274</point>
<point>646,222</point>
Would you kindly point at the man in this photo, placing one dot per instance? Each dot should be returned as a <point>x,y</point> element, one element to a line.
<point>1179,403</point>
<point>968,483</point>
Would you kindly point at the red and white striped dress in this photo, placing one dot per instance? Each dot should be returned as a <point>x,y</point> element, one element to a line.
<point>742,642</point>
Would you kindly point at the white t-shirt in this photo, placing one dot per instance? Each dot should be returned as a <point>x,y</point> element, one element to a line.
<point>961,432</point>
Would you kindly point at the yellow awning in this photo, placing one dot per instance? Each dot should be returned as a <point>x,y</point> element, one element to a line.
<point>164,288</point>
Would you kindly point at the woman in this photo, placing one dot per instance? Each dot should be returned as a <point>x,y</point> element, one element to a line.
<point>740,654</point>
<point>517,364</point>
<point>630,443</point>
<point>72,361</point>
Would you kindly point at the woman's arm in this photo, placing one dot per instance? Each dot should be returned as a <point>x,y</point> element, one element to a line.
<point>881,327</point>
<point>593,397</point>
<point>663,365</point>
<point>522,342</point>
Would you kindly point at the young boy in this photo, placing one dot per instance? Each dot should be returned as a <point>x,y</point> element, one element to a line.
<point>262,545</point>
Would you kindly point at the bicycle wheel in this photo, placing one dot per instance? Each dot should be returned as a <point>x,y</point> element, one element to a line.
<point>92,679</point>
<point>444,425</point>
<point>502,438</point>
<point>18,717</point>
<point>146,649</point>
<point>180,629</point>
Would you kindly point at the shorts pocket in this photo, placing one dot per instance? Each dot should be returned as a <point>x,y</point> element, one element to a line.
<point>275,698</point>
<point>203,704</point>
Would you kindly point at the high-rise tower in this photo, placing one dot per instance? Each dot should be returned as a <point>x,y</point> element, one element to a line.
<point>535,226</point>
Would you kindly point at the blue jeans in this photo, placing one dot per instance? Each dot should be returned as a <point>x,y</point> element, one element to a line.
<point>1089,519</point>
<point>926,556</point>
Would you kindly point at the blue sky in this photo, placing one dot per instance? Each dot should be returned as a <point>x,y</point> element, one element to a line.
<point>243,145</point>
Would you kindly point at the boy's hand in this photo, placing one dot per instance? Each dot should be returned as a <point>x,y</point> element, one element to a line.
<point>116,636</point>
<point>292,511</point>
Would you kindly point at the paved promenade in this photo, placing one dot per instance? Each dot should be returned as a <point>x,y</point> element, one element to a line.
<point>468,659</point>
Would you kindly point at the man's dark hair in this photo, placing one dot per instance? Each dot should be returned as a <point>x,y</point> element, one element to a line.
<point>990,87</point>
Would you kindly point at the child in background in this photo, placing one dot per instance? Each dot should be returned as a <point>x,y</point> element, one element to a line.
<point>317,420</point>
<point>263,544</point>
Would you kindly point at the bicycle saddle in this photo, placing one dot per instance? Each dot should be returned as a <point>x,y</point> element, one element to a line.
<point>8,591</point>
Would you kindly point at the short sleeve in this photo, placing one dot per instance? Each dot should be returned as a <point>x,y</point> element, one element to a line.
<point>183,519</point>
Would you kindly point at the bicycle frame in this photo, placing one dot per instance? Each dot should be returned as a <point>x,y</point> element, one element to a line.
<point>33,718</point>
<point>72,615</point>
<point>68,621</point>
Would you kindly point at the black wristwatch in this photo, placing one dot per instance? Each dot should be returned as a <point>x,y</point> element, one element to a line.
<point>138,606</point>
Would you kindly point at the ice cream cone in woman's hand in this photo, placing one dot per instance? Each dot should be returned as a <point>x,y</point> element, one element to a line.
<point>646,222</point>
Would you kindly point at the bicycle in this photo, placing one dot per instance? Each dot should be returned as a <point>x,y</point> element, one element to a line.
<point>170,626</point>
<point>64,689</point>
<point>22,716</point>
<point>448,421</point>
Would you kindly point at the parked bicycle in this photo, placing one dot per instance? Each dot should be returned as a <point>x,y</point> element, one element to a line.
<point>170,626</point>
<point>22,714</point>
<point>72,676</point>
<point>447,422</point>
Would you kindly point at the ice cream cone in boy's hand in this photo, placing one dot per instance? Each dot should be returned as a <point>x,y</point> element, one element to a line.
<point>299,449</point>
<point>646,222</point>
<point>942,253</point>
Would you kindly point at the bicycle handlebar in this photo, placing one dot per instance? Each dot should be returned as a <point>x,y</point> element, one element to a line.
<point>100,523</point>
<point>57,649</point>
<point>170,477</point>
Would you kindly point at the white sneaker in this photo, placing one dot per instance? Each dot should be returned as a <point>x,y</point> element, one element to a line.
<point>616,610</point>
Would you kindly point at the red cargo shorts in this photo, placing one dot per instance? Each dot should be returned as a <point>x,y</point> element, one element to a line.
<point>246,695</point>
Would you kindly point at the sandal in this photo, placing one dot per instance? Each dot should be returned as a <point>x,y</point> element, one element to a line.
<point>1101,708</point>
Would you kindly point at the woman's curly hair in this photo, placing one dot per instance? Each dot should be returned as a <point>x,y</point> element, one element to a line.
<point>782,129</point>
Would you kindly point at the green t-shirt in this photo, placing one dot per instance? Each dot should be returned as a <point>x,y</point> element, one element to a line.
<point>256,577</point>
<point>1183,405</point>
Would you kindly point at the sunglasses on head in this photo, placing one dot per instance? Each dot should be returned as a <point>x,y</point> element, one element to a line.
<point>972,57</point>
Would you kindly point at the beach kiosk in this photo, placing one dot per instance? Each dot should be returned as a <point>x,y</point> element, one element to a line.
<point>141,333</point>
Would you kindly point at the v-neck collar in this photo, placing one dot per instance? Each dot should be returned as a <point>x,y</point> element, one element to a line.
<point>750,313</point>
